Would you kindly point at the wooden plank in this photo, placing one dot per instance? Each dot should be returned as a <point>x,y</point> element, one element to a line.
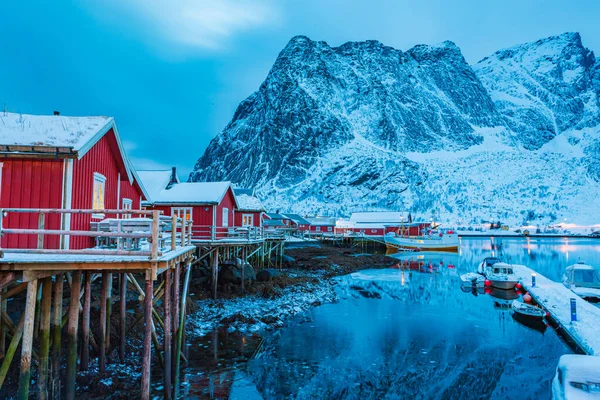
<point>108,310</point>
<point>123,314</point>
<point>61,232</point>
<point>173,231</point>
<point>56,335</point>
<point>2,324</point>
<point>85,324</point>
<point>27,345</point>
<point>8,278</point>
<point>71,374</point>
<point>40,238</point>
<point>15,290</point>
<point>146,349</point>
<point>103,300</point>
<point>29,276</point>
<point>79,211</point>
<point>91,252</point>
<point>45,338</point>
<point>12,349</point>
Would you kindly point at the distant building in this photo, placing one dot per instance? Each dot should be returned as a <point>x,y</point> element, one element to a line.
<point>322,224</point>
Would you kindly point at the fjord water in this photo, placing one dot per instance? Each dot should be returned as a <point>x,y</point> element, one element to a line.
<point>414,333</point>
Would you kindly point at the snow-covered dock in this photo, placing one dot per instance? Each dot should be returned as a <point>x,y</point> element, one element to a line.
<point>556,299</point>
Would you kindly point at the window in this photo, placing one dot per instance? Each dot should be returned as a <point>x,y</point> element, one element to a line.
<point>318,229</point>
<point>329,229</point>
<point>247,220</point>
<point>98,194</point>
<point>182,212</point>
<point>127,205</point>
<point>225,217</point>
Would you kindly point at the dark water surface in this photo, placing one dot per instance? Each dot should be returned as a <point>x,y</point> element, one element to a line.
<point>402,333</point>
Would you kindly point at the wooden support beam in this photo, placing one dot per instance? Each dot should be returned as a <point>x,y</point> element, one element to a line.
<point>123,313</point>
<point>45,338</point>
<point>15,290</point>
<point>243,266</point>
<point>7,278</point>
<point>175,329</point>
<point>215,271</point>
<point>146,349</point>
<point>72,336</point>
<point>2,325</point>
<point>27,345</point>
<point>103,302</point>
<point>108,310</point>
<point>12,349</point>
<point>56,335</point>
<point>179,339</point>
<point>167,330</point>
<point>85,323</point>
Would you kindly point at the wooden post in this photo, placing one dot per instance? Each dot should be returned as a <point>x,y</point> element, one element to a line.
<point>155,226</point>
<point>2,325</point>
<point>85,325</point>
<point>27,345</point>
<point>174,231</point>
<point>108,310</point>
<point>72,335</point>
<point>56,335</point>
<point>176,279</point>
<point>145,390</point>
<point>243,265</point>
<point>103,300</point>
<point>45,337</point>
<point>167,330</point>
<point>181,328</point>
<point>12,349</point>
<point>215,271</point>
<point>40,238</point>
<point>123,304</point>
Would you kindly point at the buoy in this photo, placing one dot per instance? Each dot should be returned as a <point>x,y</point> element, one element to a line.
<point>527,298</point>
<point>450,265</point>
<point>487,282</point>
<point>547,314</point>
<point>518,285</point>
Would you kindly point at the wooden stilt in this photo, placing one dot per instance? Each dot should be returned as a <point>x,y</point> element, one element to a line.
<point>85,324</point>
<point>180,329</point>
<point>108,310</point>
<point>56,335</point>
<point>38,301</point>
<point>27,345</point>
<point>12,349</point>
<point>45,337</point>
<point>146,350</point>
<point>176,285</point>
<point>72,335</point>
<point>123,313</point>
<point>167,330</point>
<point>103,301</point>
<point>215,271</point>
<point>243,265</point>
<point>2,325</point>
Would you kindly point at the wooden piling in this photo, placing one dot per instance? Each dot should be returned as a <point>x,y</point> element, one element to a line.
<point>167,329</point>
<point>71,374</point>
<point>27,345</point>
<point>123,313</point>
<point>176,285</point>
<point>56,335</point>
<point>2,325</point>
<point>215,271</point>
<point>12,349</point>
<point>179,339</point>
<point>243,266</point>
<point>103,301</point>
<point>85,324</point>
<point>108,310</point>
<point>146,350</point>
<point>45,337</point>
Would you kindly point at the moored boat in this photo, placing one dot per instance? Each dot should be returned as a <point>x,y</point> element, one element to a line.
<point>583,280</point>
<point>528,310</point>
<point>502,276</point>
<point>434,241</point>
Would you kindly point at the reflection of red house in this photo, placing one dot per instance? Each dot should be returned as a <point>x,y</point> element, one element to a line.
<point>210,205</point>
<point>62,162</point>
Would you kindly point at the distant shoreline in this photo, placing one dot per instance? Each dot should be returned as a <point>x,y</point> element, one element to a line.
<point>516,235</point>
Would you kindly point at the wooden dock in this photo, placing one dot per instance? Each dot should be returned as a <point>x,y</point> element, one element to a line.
<point>555,298</point>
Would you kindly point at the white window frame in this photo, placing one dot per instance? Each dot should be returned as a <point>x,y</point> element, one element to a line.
<point>225,221</point>
<point>249,221</point>
<point>127,205</point>
<point>182,212</point>
<point>329,228</point>
<point>100,180</point>
<point>318,228</point>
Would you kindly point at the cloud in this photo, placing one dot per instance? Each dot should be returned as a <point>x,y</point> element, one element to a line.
<point>203,23</point>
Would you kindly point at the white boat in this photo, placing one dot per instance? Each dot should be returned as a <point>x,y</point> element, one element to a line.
<point>434,241</point>
<point>487,264</point>
<point>583,280</point>
<point>577,377</point>
<point>527,310</point>
<point>502,276</point>
<point>473,279</point>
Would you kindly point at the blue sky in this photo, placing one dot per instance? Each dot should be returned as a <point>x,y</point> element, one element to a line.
<point>173,72</point>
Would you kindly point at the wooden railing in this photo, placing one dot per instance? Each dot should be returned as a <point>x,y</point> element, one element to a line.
<point>162,233</point>
<point>223,233</point>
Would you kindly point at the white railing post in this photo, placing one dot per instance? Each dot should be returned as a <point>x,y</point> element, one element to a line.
<point>173,231</point>
<point>155,228</point>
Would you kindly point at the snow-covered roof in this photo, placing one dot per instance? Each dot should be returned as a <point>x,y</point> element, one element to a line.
<point>380,217</point>
<point>248,203</point>
<point>51,130</point>
<point>155,181</point>
<point>193,193</point>
<point>247,191</point>
<point>322,221</point>
<point>580,369</point>
<point>298,219</point>
<point>276,216</point>
<point>273,222</point>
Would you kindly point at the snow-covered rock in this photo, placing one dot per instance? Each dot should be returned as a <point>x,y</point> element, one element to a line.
<point>364,126</point>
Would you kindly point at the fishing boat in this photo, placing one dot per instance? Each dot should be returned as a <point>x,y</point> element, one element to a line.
<point>577,377</point>
<point>583,280</point>
<point>487,264</point>
<point>528,310</point>
<point>434,240</point>
<point>502,276</point>
<point>472,279</point>
<point>534,324</point>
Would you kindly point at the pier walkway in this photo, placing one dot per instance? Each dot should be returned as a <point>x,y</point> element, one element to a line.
<point>555,298</point>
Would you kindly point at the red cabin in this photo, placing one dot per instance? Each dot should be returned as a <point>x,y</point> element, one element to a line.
<point>210,205</point>
<point>250,211</point>
<point>322,225</point>
<point>62,162</point>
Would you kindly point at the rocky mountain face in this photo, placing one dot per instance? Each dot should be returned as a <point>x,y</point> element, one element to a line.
<point>364,126</point>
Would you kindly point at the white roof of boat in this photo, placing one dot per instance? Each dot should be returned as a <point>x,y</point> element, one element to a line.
<point>580,266</point>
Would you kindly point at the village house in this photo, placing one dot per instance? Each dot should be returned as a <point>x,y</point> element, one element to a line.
<point>321,225</point>
<point>250,211</point>
<point>53,161</point>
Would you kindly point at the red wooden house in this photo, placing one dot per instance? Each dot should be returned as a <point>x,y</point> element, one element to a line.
<point>210,205</point>
<point>62,162</point>
<point>250,211</point>
<point>322,225</point>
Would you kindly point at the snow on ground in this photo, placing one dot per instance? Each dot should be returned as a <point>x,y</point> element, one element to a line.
<point>253,313</point>
<point>556,298</point>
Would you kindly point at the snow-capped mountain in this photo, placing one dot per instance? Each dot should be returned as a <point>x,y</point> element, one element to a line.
<point>364,126</point>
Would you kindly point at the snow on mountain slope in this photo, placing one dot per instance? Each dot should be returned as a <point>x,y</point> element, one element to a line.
<point>363,126</point>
